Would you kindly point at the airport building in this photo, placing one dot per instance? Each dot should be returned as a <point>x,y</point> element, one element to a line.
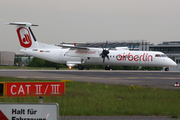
<point>12,59</point>
<point>136,45</point>
<point>7,58</point>
<point>22,60</point>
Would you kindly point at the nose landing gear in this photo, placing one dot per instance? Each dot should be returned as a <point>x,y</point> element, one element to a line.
<point>166,69</point>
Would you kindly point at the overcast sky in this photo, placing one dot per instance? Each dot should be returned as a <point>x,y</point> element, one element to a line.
<point>91,20</point>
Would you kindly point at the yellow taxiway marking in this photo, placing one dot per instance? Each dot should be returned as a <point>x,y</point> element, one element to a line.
<point>131,78</point>
<point>149,77</point>
<point>40,77</point>
<point>95,78</point>
<point>58,77</point>
<point>22,77</point>
<point>169,78</point>
<point>114,78</point>
<point>76,77</point>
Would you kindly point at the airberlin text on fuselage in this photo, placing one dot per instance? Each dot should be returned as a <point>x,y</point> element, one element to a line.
<point>129,57</point>
<point>85,52</point>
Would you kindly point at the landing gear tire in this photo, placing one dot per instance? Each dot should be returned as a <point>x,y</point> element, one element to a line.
<point>81,67</point>
<point>87,67</point>
<point>57,67</point>
<point>107,67</point>
<point>167,69</point>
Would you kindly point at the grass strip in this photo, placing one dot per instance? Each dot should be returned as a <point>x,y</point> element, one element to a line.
<point>83,98</point>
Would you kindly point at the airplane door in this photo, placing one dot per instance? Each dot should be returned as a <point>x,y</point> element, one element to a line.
<point>61,56</point>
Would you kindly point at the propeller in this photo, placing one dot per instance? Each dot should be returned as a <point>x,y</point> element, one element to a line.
<point>105,52</point>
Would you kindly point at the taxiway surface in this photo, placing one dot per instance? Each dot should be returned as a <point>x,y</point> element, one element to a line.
<point>155,78</point>
<point>160,79</point>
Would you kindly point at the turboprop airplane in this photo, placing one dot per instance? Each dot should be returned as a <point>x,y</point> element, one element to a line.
<point>72,55</point>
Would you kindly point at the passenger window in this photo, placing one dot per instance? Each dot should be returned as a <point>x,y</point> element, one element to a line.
<point>157,55</point>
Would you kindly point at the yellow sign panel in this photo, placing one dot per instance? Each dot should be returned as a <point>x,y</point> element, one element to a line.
<point>2,89</point>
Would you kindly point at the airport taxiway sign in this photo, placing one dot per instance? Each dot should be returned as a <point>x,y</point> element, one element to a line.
<point>2,116</point>
<point>23,111</point>
<point>35,89</point>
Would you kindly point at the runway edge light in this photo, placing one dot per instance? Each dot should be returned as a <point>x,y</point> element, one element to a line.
<point>2,89</point>
<point>176,85</point>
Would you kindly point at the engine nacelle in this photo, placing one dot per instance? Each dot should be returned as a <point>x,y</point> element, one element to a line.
<point>70,65</point>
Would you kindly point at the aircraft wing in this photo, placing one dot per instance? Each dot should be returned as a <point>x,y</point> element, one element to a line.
<point>73,47</point>
<point>83,52</point>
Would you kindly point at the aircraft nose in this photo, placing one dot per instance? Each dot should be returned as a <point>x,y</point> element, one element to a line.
<point>172,63</point>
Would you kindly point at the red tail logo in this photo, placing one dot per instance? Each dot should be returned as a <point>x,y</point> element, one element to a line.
<point>24,37</point>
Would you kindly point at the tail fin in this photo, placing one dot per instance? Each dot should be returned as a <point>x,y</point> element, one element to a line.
<point>25,34</point>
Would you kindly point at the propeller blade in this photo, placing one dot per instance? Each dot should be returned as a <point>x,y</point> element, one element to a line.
<point>108,57</point>
<point>105,52</point>
<point>103,59</point>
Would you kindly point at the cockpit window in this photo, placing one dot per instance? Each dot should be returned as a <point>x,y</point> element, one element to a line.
<point>160,55</point>
<point>163,55</point>
<point>157,55</point>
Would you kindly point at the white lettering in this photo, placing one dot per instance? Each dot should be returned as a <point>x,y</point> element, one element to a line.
<point>46,89</point>
<point>55,89</point>
<point>12,89</point>
<point>21,89</point>
<point>28,88</point>
<point>38,89</point>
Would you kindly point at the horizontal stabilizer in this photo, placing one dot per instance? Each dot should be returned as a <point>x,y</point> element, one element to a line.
<point>22,23</point>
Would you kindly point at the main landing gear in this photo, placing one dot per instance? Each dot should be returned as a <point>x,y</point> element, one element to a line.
<point>81,67</point>
<point>57,67</point>
<point>166,69</point>
<point>107,67</point>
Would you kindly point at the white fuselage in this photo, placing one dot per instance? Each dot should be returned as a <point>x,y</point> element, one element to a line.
<point>116,57</point>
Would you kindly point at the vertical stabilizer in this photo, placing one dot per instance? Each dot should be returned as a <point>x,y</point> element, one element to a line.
<point>25,34</point>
